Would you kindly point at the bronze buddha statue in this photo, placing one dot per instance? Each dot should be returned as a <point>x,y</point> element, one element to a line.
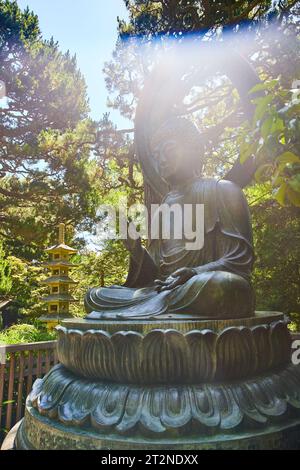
<point>167,280</point>
<point>194,366</point>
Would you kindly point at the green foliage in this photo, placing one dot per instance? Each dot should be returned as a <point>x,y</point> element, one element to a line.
<point>277,248</point>
<point>274,140</point>
<point>17,27</point>
<point>272,49</point>
<point>116,158</point>
<point>152,18</point>
<point>108,267</point>
<point>26,287</point>
<point>5,273</point>
<point>26,333</point>
<point>23,284</point>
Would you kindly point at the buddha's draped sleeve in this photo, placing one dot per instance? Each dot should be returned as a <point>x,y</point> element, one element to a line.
<point>143,270</point>
<point>232,231</point>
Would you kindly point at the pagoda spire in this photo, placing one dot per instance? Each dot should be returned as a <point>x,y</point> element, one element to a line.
<point>61,234</point>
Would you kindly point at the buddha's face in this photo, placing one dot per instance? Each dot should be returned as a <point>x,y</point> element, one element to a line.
<point>174,159</point>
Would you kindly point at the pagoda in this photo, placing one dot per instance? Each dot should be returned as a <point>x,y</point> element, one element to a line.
<point>59,282</point>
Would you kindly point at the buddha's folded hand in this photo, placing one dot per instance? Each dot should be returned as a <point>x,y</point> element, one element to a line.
<point>179,277</point>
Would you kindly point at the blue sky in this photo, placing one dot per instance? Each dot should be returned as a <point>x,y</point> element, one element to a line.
<point>89,30</point>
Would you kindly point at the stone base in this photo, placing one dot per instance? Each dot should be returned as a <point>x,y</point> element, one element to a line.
<point>213,384</point>
<point>40,433</point>
<point>159,411</point>
<point>174,352</point>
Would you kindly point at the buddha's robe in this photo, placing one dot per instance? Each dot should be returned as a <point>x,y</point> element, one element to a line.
<point>221,285</point>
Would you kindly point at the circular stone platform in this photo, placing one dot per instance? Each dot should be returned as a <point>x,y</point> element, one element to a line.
<point>182,325</point>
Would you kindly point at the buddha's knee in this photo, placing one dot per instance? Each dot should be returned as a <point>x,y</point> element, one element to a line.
<point>91,298</point>
<point>227,294</point>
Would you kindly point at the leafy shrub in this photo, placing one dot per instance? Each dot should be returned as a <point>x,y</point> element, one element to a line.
<point>25,333</point>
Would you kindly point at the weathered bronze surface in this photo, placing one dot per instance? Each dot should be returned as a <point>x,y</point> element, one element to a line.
<point>203,353</point>
<point>40,432</point>
<point>170,410</point>
<point>207,384</point>
<point>183,325</point>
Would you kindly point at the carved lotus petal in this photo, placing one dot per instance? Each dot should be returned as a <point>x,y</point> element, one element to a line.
<point>167,409</point>
<point>169,356</point>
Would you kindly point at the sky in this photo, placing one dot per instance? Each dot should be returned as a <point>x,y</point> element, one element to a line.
<point>87,28</point>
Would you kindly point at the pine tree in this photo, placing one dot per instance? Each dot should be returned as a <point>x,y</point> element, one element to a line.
<point>46,175</point>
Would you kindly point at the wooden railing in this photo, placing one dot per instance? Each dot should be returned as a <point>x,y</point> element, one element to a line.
<point>23,365</point>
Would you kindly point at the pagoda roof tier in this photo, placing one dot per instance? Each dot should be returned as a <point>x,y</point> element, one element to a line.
<point>59,298</point>
<point>59,280</point>
<point>59,248</point>
<point>58,263</point>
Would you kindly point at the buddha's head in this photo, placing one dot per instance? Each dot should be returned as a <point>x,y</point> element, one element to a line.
<point>177,148</point>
